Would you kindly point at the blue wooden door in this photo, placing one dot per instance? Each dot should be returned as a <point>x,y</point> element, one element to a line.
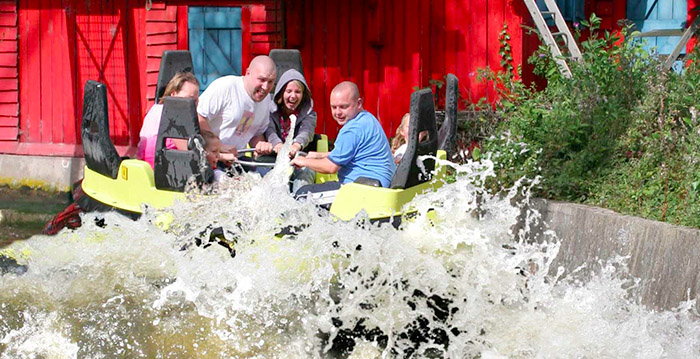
<point>666,14</point>
<point>215,42</point>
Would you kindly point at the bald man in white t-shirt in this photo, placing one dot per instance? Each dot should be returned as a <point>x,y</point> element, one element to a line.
<point>237,108</point>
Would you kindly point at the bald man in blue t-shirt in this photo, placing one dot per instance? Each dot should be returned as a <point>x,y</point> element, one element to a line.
<point>361,149</point>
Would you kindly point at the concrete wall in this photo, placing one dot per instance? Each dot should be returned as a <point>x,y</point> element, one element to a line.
<point>43,171</point>
<point>665,257</point>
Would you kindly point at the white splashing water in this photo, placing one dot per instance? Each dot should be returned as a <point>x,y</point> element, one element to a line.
<point>462,288</point>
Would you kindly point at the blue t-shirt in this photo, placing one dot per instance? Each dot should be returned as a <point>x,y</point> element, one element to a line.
<point>362,150</point>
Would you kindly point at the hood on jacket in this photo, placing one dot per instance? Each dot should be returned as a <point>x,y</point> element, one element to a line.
<point>291,75</point>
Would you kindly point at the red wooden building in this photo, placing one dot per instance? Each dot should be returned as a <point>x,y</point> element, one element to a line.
<point>49,48</point>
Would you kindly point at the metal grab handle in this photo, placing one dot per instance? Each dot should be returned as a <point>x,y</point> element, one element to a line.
<point>225,156</point>
<point>256,164</point>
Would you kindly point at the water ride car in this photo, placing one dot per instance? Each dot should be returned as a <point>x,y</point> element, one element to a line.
<point>125,185</point>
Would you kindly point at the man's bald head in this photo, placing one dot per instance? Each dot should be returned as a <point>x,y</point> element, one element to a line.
<point>263,63</point>
<point>345,102</point>
<point>347,86</point>
<point>260,77</point>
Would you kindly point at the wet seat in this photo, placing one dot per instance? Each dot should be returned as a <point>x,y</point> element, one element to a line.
<point>408,172</point>
<point>174,168</point>
<point>100,154</point>
<point>448,130</point>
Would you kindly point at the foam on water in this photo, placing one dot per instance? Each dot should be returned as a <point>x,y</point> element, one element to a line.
<point>456,284</point>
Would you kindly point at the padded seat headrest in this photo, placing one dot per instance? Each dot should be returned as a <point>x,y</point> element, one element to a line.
<point>286,59</point>
<point>100,154</point>
<point>448,130</point>
<point>172,62</point>
<point>408,172</point>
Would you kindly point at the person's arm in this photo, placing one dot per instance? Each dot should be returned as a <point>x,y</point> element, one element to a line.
<point>203,123</point>
<point>271,132</point>
<point>314,154</point>
<point>307,127</point>
<point>321,165</point>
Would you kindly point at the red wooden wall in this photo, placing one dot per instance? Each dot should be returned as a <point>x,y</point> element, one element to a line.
<point>391,47</point>
<point>9,97</point>
<point>610,11</point>
<point>388,47</point>
<point>49,48</point>
<point>692,4</point>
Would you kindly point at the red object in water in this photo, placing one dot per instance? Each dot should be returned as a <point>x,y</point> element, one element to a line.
<point>68,218</point>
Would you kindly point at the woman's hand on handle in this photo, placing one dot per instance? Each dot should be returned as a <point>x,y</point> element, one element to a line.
<point>295,148</point>
<point>278,147</point>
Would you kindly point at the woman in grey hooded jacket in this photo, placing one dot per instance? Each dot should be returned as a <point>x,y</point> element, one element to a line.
<point>292,97</point>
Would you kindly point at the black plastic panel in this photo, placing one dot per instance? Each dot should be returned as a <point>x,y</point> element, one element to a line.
<point>286,59</point>
<point>448,130</point>
<point>174,168</point>
<point>172,62</point>
<point>408,173</point>
<point>100,154</point>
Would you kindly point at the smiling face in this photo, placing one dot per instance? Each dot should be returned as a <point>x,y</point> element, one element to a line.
<point>260,78</point>
<point>292,96</point>
<point>345,104</point>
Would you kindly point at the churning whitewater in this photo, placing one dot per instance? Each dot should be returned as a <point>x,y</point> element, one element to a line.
<point>455,284</point>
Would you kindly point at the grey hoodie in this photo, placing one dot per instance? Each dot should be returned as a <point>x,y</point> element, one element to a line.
<point>306,120</point>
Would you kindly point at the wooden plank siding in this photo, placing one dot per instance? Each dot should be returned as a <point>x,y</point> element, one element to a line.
<point>391,47</point>
<point>265,29</point>
<point>161,34</point>
<point>49,48</point>
<point>610,12</point>
<point>9,87</point>
<point>64,43</point>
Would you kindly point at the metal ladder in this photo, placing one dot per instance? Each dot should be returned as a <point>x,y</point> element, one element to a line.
<point>549,38</point>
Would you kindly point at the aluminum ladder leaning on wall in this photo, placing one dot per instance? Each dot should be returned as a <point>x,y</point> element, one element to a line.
<point>549,37</point>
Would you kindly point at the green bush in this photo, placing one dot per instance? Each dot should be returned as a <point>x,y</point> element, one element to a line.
<point>656,172</point>
<point>620,133</point>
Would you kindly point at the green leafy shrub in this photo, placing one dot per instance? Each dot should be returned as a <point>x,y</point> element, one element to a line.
<point>620,133</point>
<point>656,173</point>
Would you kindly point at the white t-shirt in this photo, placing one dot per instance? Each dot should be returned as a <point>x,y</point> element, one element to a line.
<point>232,114</point>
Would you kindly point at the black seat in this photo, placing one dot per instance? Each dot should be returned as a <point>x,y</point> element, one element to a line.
<point>408,173</point>
<point>448,130</point>
<point>286,59</point>
<point>172,62</point>
<point>174,168</point>
<point>100,154</point>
